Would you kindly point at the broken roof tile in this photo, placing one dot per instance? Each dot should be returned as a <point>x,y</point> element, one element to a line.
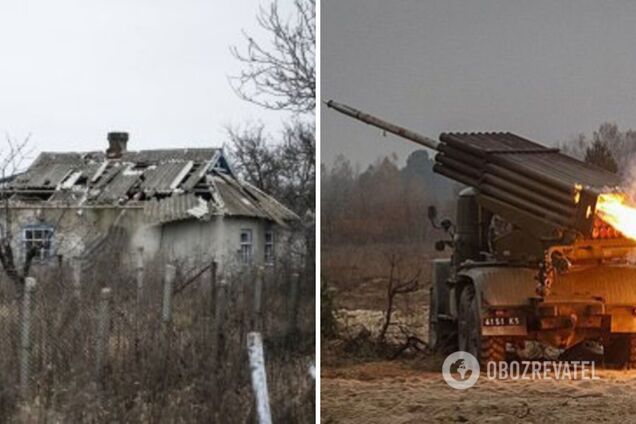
<point>168,184</point>
<point>175,208</point>
<point>165,177</point>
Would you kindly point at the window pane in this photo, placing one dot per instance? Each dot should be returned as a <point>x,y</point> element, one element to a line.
<point>246,253</point>
<point>38,242</point>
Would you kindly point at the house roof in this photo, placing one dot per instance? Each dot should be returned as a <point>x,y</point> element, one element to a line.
<point>169,184</point>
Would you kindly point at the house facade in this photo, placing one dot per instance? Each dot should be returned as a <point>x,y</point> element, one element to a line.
<point>180,205</point>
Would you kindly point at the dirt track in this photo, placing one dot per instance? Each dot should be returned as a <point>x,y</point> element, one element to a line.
<point>394,392</point>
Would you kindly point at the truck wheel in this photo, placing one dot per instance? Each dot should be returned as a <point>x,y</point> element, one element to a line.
<point>484,348</point>
<point>493,349</point>
<point>632,351</point>
<point>621,350</point>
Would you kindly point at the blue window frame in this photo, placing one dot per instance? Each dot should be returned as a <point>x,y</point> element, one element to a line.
<point>39,239</point>
<point>246,246</point>
<point>269,247</point>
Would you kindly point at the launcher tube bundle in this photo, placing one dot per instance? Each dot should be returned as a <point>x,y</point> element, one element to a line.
<point>524,177</point>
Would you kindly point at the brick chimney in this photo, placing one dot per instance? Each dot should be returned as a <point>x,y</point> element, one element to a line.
<point>117,144</point>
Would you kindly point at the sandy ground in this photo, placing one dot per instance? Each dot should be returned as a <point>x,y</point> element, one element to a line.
<point>395,392</point>
<point>413,391</point>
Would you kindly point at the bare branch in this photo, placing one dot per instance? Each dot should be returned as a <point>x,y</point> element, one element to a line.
<point>284,170</point>
<point>281,76</point>
<point>396,286</point>
<point>12,161</point>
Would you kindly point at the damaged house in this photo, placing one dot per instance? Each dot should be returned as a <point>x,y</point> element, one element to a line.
<point>177,204</point>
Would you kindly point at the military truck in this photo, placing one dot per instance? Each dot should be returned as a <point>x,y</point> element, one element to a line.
<point>532,262</point>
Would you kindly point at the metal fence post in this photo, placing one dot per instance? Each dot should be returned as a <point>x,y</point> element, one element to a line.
<point>168,285</point>
<point>259,377</point>
<point>219,318</point>
<point>25,336</point>
<point>218,344</point>
<point>140,273</point>
<point>213,275</point>
<point>103,323</point>
<point>77,277</point>
<point>292,307</point>
<point>257,301</point>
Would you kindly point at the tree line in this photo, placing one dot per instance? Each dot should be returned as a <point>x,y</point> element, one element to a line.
<point>383,203</point>
<point>608,148</point>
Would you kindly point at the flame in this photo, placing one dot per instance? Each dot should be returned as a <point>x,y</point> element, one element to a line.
<point>613,209</point>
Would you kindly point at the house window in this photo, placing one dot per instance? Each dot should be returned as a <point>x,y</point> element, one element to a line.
<point>269,247</point>
<point>39,241</point>
<point>246,246</point>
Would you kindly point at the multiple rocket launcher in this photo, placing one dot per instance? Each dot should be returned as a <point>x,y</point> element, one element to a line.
<point>532,184</point>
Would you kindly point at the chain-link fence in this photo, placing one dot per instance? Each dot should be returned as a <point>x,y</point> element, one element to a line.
<point>155,345</point>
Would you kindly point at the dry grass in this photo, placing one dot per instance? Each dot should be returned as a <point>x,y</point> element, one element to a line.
<point>358,273</point>
<point>358,277</point>
<point>154,372</point>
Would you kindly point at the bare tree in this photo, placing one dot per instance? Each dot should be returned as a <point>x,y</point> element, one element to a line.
<point>298,165</point>
<point>254,157</point>
<point>12,161</point>
<point>608,147</point>
<point>281,76</point>
<point>286,170</point>
<point>600,154</point>
<point>396,285</point>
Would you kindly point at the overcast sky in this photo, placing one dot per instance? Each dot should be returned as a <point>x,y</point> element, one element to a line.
<point>72,70</point>
<point>544,69</point>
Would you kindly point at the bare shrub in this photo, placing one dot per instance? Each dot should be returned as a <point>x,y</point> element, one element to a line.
<point>396,286</point>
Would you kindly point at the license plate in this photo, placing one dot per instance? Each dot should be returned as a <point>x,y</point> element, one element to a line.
<point>502,321</point>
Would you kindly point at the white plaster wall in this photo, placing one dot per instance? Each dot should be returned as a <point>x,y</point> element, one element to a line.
<point>74,227</point>
<point>219,238</point>
<point>189,241</point>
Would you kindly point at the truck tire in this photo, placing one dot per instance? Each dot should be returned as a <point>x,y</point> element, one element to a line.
<point>632,351</point>
<point>493,349</point>
<point>484,348</point>
<point>621,350</point>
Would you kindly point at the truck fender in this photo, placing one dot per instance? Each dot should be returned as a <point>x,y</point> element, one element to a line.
<point>509,288</point>
<point>500,286</point>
